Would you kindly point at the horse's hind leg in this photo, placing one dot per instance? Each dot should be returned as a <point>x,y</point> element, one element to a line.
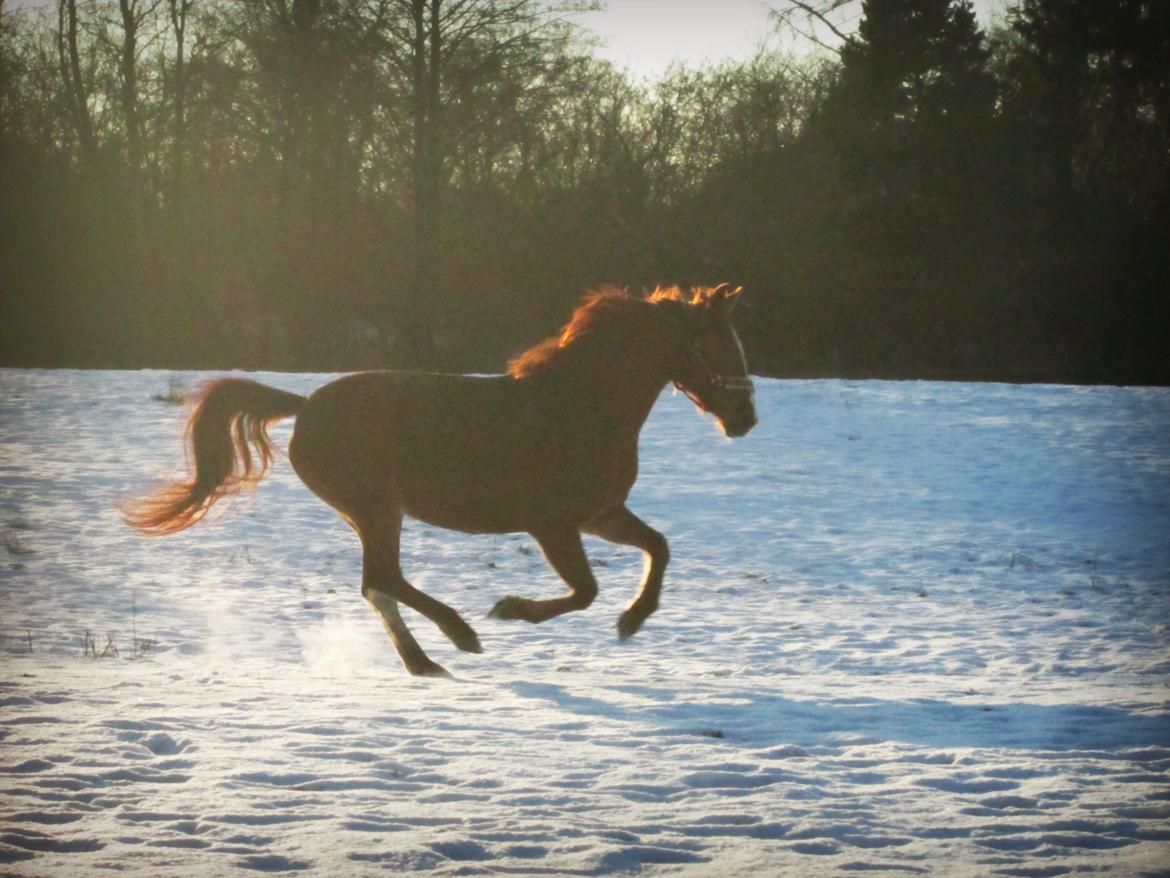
<point>413,658</point>
<point>622,526</point>
<point>562,547</point>
<point>384,586</point>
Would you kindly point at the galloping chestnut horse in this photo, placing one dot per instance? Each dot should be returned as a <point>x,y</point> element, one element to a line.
<point>550,449</point>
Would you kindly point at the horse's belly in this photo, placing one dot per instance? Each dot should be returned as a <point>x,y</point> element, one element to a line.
<point>470,504</point>
<point>511,499</point>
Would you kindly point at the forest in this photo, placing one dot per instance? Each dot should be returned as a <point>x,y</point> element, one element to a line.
<point>331,185</point>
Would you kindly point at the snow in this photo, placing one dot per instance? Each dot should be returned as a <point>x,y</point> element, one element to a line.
<point>917,628</point>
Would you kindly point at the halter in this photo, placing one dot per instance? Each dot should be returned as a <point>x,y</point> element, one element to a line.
<point>715,380</point>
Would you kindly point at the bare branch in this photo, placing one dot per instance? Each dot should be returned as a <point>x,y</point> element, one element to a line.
<point>814,14</point>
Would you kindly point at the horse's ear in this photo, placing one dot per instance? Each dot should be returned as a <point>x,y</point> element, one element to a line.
<point>717,301</point>
<point>725,296</point>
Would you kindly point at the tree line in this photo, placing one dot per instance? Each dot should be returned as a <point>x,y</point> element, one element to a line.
<point>343,184</point>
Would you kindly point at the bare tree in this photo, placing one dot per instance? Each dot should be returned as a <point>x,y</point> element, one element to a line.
<point>128,68</point>
<point>179,12</point>
<point>438,47</point>
<point>6,76</point>
<point>77,88</point>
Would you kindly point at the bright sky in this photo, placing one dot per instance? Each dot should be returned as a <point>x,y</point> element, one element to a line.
<point>645,36</point>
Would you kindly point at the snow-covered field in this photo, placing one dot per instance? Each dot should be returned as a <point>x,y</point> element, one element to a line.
<point>908,627</point>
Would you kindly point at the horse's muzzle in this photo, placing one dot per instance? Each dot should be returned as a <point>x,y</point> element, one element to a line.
<point>739,421</point>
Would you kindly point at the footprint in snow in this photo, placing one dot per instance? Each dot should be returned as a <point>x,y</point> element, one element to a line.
<point>272,863</point>
<point>461,850</point>
<point>162,744</point>
<point>633,858</point>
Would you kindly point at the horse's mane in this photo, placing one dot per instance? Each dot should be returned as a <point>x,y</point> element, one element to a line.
<point>598,312</point>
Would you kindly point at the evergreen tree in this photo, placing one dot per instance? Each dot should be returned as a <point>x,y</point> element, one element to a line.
<point>910,128</point>
<point>1087,99</point>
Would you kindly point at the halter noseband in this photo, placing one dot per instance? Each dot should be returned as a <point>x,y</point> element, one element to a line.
<point>715,380</point>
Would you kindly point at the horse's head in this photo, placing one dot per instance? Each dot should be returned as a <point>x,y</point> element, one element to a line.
<point>708,363</point>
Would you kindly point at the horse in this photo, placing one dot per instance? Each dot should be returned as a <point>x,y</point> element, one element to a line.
<point>550,449</point>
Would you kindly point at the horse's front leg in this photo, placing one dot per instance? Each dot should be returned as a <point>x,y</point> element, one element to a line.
<point>622,526</point>
<point>562,547</point>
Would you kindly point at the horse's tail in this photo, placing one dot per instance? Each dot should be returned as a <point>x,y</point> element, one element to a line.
<point>230,421</point>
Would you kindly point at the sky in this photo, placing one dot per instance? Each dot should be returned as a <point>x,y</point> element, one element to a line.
<point>645,36</point>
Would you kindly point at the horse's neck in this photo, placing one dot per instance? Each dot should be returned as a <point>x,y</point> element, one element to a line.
<point>616,391</point>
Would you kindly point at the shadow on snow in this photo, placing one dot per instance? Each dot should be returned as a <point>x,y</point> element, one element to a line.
<point>762,719</point>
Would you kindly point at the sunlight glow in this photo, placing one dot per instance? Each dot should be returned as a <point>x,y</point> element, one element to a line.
<point>645,36</point>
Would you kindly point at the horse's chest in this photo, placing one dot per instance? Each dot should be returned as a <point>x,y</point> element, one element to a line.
<point>610,477</point>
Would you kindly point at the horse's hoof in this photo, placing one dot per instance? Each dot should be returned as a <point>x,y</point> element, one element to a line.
<point>427,668</point>
<point>468,641</point>
<point>510,607</point>
<point>628,624</point>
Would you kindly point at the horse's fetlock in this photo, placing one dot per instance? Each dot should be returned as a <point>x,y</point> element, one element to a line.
<point>659,549</point>
<point>510,607</point>
<point>584,596</point>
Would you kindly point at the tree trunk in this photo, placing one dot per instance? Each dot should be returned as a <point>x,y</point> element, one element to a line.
<point>128,68</point>
<point>178,11</point>
<point>69,58</point>
<point>426,52</point>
